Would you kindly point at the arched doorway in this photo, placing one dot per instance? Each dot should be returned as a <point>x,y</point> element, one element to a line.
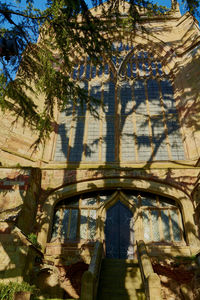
<point>146,214</point>
<point>119,232</point>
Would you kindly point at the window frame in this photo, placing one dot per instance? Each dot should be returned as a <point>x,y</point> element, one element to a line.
<point>137,56</point>
<point>136,198</point>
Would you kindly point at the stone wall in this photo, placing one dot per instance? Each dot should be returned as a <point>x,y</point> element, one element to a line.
<point>17,254</point>
<point>18,202</point>
<point>19,192</point>
<point>31,183</point>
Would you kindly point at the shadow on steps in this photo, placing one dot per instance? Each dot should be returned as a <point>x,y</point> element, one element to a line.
<point>120,279</point>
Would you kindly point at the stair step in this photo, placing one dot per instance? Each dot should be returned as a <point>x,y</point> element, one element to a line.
<point>122,290</point>
<point>120,279</point>
<point>125,275</point>
<point>125,262</point>
<point>117,294</point>
<point>121,260</point>
<point>112,271</point>
<point>120,266</point>
<point>120,297</point>
<point>125,284</point>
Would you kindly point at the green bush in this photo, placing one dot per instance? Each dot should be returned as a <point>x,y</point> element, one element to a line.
<point>7,290</point>
<point>33,239</point>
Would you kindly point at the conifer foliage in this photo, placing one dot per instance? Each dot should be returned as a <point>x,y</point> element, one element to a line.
<point>42,66</point>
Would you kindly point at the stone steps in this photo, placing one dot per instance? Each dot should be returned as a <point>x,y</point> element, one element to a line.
<point>120,279</point>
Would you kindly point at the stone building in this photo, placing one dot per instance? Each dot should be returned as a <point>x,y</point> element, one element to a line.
<point>132,174</point>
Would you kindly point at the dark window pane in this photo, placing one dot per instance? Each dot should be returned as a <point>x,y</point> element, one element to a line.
<point>148,201</point>
<point>165,225</point>
<point>134,70</point>
<point>127,139</point>
<point>126,99</point>
<point>55,224</point>
<point>143,141</point>
<point>93,137</point>
<point>93,71</point>
<point>108,140</point>
<point>89,201</point>
<point>140,99</point>
<point>77,140</point>
<point>106,69</point>
<point>92,225</point>
<point>83,224</point>
<point>160,69</point>
<point>81,71</point>
<point>159,139</point>
<point>65,223</point>
<point>175,226</point>
<point>146,225</point>
<point>154,97</point>
<point>175,138</point>
<point>155,225</point>
<point>87,75</point>
<point>73,224</point>
<point>109,98</point>
<point>168,96</point>
<point>153,67</point>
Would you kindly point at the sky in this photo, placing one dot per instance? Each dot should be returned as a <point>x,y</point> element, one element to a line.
<point>41,4</point>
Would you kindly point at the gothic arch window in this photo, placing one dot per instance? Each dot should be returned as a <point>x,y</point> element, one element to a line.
<point>161,219</point>
<point>75,219</point>
<point>158,218</point>
<point>138,119</point>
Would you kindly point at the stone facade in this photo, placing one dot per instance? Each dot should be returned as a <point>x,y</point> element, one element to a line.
<point>32,184</point>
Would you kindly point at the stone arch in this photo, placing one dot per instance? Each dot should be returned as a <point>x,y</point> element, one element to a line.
<point>117,196</point>
<point>162,50</point>
<point>115,183</point>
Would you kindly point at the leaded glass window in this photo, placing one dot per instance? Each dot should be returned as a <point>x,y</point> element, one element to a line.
<point>75,219</point>
<point>161,219</point>
<point>138,120</point>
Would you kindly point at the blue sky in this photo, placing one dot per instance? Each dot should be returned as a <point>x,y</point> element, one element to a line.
<point>41,4</point>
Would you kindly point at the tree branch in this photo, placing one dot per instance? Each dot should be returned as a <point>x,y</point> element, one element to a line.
<point>3,12</point>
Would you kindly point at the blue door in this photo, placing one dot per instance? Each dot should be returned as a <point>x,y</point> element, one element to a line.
<point>119,232</point>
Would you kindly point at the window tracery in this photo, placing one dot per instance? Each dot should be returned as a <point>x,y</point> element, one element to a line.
<point>138,120</point>
<point>158,218</point>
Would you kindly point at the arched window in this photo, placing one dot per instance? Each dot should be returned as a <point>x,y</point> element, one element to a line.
<point>158,218</point>
<point>75,220</point>
<point>161,219</point>
<point>138,120</point>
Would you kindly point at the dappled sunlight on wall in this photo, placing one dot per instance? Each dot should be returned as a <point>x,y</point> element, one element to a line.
<point>137,117</point>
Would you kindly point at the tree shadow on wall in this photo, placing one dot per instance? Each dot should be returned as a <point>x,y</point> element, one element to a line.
<point>188,113</point>
<point>16,221</point>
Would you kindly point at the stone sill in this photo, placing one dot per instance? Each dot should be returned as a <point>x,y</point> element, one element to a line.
<point>172,250</point>
<point>181,164</point>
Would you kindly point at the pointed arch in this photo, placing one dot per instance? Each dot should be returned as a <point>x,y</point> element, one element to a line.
<point>117,196</point>
<point>159,188</point>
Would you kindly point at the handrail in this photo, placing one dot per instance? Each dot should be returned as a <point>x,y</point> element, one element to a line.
<point>90,278</point>
<point>150,279</point>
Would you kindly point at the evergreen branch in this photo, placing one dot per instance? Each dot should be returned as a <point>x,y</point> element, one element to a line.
<point>9,12</point>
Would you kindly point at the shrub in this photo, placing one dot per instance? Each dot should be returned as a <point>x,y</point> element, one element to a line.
<point>7,290</point>
<point>33,239</point>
